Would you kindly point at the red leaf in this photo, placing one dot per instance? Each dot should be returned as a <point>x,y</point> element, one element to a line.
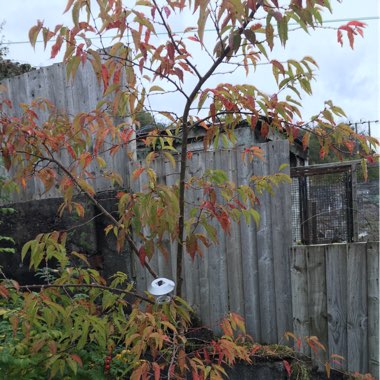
<point>71,151</point>
<point>153,12</point>
<point>288,367</point>
<point>167,11</point>
<point>256,26</point>
<point>117,75</point>
<point>142,255</point>
<point>340,37</point>
<point>171,50</point>
<point>77,359</point>
<point>224,221</point>
<point>56,47</point>
<point>157,371</point>
<point>105,77</point>
<point>264,129</point>
<point>141,64</point>
<point>252,4</point>
<point>254,120</point>
<point>179,73</point>
<point>278,65</point>
<point>358,24</point>
<point>191,246</point>
<point>322,153</point>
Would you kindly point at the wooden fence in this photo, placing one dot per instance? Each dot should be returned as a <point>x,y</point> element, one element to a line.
<point>69,97</point>
<point>335,294</point>
<point>249,271</point>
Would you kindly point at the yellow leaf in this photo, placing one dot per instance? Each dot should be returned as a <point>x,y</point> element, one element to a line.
<point>101,162</point>
<point>156,88</point>
<point>170,158</point>
<point>328,370</point>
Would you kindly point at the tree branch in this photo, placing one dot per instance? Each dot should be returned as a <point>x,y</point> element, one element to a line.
<point>91,286</point>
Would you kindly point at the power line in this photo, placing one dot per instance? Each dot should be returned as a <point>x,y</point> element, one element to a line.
<point>333,21</point>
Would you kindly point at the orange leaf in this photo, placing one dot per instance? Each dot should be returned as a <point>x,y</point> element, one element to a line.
<point>33,33</point>
<point>136,173</point>
<point>105,77</point>
<point>4,291</point>
<point>305,140</point>
<point>182,360</point>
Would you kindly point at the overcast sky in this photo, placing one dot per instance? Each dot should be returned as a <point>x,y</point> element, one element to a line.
<point>349,77</point>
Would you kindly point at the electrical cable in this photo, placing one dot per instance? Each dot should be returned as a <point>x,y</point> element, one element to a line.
<point>369,18</point>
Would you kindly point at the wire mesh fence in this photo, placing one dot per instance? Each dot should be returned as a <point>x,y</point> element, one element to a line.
<point>334,203</point>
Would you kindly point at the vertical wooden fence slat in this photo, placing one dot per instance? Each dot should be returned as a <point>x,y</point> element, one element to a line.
<point>301,321</point>
<point>265,259</point>
<point>233,246</point>
<point>316,272</point>
<point>217,264</point>
<point>373,308</point>
<point>357,316</point>
<point>171,177</point>
<point>336,280</point>
<point>250,275</point>
<point>205,302</point>
<point>281,238</point>
<point>190,269</point>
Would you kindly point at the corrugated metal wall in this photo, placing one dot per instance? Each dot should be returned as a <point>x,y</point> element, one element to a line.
<point>249,271</point>
<point>69,97</point>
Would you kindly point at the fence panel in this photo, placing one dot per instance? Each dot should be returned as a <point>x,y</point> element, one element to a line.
<point>69,97</point>
<point>340,304</point>
<point>243,273</point>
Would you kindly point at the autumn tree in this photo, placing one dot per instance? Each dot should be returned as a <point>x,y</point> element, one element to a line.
<point>152,55</point>
<point>157,60</point>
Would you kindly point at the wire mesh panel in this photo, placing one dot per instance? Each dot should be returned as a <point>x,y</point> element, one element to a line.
<point>367,204</point>
<point>322,204</point>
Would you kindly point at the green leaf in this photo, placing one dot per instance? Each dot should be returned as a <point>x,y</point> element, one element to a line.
<point>255,215</point>
<point>262,50</point>
<point>203,15</point>
<point>282,28</point>
<point>250,35</point>
<point>25,249</point>
<point>84,335</point>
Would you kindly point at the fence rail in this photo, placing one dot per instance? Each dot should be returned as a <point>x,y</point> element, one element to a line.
<point>335,296</point>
